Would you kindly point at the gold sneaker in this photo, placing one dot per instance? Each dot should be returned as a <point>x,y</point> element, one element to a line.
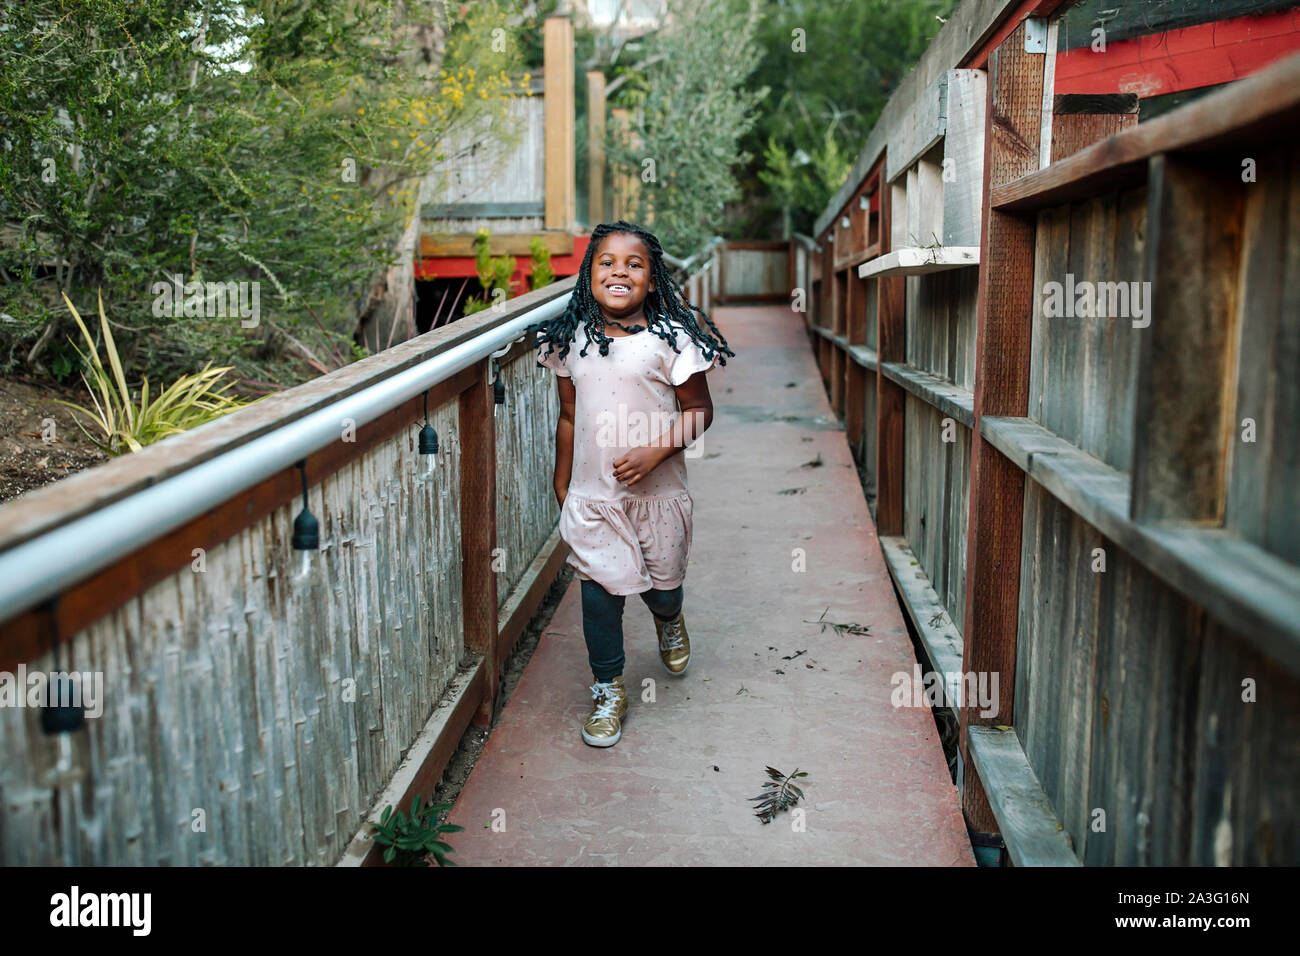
<point>674,644</point>
<point>605,725</point>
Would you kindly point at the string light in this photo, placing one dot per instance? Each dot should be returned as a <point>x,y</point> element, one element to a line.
<point>306,533</point>
<point>429,452</point>
<point>66,751</point>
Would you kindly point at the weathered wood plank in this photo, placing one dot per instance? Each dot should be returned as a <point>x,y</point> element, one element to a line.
<point>1182,421</point>
<point>1015,89</point>
<point>915,261</point>
<point>1241,584</point>
<point>891,333</point>
<point>456,245</point>
<point>918,129</point>
<point>561,183</point>
<point>479,531</point>
<point>1249,111</point>
<point>943,395</point>
<point>963,158</point>
<point>1263,503</point>
<point>936,510</point>
<point>939,636</point>
<point>596,145</point>
<point>1028,824</point>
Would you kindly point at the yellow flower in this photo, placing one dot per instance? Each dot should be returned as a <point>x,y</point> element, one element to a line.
<point>361,112</point>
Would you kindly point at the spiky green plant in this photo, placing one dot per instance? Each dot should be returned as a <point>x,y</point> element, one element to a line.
<point>410,841</point>
<point>127,425</point>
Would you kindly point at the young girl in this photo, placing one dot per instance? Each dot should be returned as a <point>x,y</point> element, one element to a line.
<point>628,355</point>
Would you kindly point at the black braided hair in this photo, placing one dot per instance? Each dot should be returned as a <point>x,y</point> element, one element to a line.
<point>662,306</point>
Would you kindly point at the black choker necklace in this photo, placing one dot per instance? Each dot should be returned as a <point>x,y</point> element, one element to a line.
<point>635,328</point>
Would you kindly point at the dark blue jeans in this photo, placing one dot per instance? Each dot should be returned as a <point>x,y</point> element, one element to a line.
<point>602,624</point>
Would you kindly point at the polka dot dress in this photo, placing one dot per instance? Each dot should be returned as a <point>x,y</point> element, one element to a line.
<point>627,539</point>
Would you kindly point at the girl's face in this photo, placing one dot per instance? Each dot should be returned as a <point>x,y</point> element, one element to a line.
<point>620,275</point>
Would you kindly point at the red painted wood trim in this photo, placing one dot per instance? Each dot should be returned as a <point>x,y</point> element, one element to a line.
<point>458,267</point>
<point>1176,60</point>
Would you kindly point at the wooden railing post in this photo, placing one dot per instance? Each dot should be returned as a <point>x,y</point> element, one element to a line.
<point>891,400</point>
<point>595,146</point>
<point>1002,347</point>
<point>557,72</point>
<point>478,531</point>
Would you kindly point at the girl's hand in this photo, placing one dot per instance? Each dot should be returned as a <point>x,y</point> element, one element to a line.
<point>637,463</point>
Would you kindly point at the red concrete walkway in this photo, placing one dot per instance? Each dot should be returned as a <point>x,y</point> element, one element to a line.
<point>675,789</point>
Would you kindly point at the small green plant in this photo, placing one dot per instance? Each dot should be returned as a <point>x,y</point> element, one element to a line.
<point>409,841</point>
<point>494,273</point>
<point>780,793</point>
<point>188,402</point>
<point>64,360</point>
<point>541,274</point>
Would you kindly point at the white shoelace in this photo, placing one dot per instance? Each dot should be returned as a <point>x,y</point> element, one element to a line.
<point>672,636</point>
<point>607,707</point>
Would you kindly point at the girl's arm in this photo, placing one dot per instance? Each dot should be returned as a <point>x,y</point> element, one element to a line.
<point>696,405</point>
<point>696,415</point>
<point>564,437</point>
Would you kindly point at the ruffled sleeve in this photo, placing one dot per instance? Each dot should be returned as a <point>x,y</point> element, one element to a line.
<point>681,366</point>
<point>552,360</point>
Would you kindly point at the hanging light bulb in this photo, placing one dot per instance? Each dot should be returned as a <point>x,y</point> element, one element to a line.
<point>306,537</point>
<point>64,726</point>
<point>428,448</point>
<point>65,757</point>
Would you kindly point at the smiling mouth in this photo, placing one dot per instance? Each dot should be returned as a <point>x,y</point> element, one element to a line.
<point>617,288</point>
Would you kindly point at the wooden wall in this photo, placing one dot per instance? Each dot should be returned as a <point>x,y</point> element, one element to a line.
<point>281,709</point>
<point>513,173</point>
<point>227,691</point>
<point>1129,702</point>
<point>527,511</point>
<point>1113,529</point>
<point>752,271</point>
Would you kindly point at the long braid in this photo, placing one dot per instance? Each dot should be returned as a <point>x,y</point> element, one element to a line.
<point>663,306</point>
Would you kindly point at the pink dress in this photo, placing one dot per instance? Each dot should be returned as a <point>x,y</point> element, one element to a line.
<point>627,539</point>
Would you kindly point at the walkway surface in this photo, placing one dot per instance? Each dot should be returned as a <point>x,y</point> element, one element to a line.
<point>767,685</point>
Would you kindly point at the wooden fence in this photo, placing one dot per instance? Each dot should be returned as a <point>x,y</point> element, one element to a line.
<point>254,717</point>
<point>752,271</point>
<point>1099,505</point>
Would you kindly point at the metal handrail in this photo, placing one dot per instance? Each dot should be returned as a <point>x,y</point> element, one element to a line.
<point>684,265</point>
<point>48,564</point>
